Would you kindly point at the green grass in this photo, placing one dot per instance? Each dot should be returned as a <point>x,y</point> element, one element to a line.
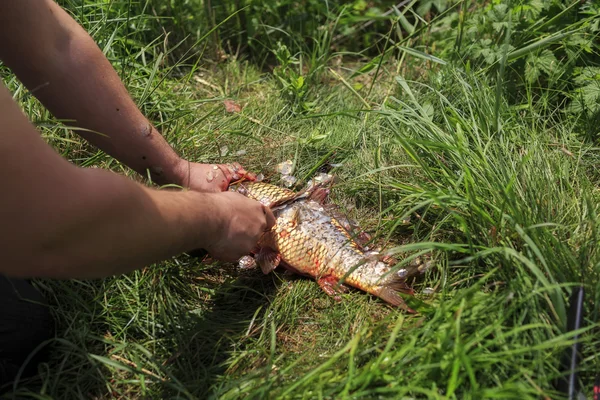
<point>432,162</point>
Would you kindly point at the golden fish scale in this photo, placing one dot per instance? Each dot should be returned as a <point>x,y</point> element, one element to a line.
<point>264,192</point>
<point>312,249</point>
<point>301,252</point>
<point>318,245</point>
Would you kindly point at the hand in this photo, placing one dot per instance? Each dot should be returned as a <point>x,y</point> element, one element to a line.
<point>210,177</point>
<point>242,223</point>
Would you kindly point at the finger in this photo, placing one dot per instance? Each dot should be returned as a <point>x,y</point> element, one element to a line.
<point>232,171</point>
<point>226,172</point>
<point>239,172</point>
<point>271,221</point>
<point>250,176</point>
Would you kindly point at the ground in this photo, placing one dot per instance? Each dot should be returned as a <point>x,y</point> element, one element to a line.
<point>430,161</point>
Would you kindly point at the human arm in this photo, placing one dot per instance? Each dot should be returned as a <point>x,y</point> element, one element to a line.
<point>61,221</point>
<point>63,66</point>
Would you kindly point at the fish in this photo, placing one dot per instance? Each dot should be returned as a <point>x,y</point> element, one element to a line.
<point>312,238</point>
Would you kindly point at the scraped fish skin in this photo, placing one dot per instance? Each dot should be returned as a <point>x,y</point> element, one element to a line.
<point>312,242</point>
<point>316,244</point>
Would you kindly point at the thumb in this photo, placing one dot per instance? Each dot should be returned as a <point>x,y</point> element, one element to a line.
<point>271,221</point>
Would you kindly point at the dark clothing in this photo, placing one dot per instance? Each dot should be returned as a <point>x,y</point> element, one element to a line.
<point>25,322</point>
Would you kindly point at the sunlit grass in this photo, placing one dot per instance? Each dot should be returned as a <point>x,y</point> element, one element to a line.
<point>509,216</point>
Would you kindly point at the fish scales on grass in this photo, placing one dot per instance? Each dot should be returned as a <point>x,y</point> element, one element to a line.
<point>311,238</point>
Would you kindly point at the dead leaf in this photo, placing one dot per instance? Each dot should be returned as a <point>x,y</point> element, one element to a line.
<point>567,152</point>
<point>231,106</point>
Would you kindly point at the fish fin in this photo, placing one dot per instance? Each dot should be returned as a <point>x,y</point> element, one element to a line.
<point>319,195</point>
<point>389,260</point>
<point>330,286</point>
<point>392,297</point>
<point>283,201</point>
<point>398,284</point>
<point>343,288</point>
<point>267,259</point>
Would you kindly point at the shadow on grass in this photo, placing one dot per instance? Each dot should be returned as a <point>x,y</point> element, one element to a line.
<point>204,344</point>
<point>76,319</point>
<point>192,348</point>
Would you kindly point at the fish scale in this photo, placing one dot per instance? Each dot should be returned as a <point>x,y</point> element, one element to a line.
<point>263,192</point>
<point>309,240</point>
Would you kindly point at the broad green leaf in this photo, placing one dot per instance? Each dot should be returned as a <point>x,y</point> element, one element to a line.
<point>547,62</point>
<point>299,82</point>
<point>536,64</point>
<point>532,71</point>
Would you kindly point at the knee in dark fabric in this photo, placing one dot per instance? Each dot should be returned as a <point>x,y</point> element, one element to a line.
<point>25,323</point>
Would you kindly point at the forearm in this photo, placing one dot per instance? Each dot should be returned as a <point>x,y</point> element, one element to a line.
<point>52,54</point>
<point>100,224</point>
<point>58,220</point>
